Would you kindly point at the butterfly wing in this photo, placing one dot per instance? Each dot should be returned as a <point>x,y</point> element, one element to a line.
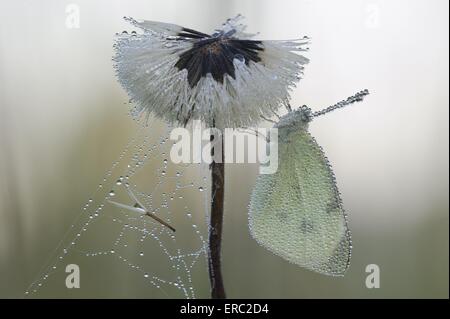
<point>297,213</point>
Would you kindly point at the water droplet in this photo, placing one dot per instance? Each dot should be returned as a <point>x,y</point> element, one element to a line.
<point>200,189</point>
<point>111,193</point>
<point>141,254</point>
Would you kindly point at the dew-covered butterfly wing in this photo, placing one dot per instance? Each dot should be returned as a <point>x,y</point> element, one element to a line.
<point>297,212</point>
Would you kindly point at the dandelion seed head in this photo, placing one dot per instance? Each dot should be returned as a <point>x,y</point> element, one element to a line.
<point>225,79</point>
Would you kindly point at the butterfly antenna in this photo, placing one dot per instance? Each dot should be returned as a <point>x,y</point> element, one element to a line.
<point>276,114</point>
<point>288,107</point>
<point>267,119</point>
<point>358,97</point>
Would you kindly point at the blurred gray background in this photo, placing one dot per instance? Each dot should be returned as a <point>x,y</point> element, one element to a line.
<point>63,121</point>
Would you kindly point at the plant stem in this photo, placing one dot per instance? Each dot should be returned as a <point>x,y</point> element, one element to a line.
<point>215,230</point>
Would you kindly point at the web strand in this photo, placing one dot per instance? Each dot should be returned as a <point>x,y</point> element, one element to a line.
<point>165,261</point>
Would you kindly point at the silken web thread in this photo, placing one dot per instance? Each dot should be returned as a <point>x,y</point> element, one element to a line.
<point>97,212</point>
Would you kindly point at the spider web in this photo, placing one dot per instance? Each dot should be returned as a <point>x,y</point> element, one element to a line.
<point>115,247</point>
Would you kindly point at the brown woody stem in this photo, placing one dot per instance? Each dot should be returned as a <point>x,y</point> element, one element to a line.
<point>215,230</point>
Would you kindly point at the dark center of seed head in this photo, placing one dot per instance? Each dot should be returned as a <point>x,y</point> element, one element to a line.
<point>215,55</point>
<point>213,48</point>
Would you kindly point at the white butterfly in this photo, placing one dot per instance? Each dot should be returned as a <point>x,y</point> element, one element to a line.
<point>297,212</point>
